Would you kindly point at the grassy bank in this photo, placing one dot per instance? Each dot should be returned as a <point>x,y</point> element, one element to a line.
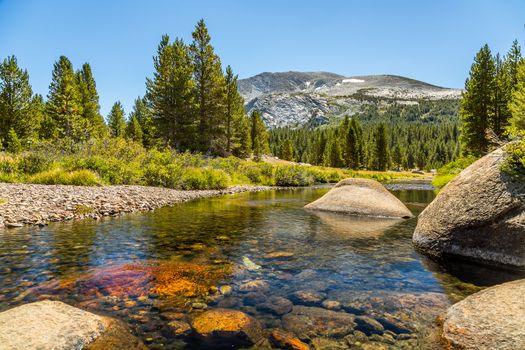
<point>449,171</point>
<point>122,162</point>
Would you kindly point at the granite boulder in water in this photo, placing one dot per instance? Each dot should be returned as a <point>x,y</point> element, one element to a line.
<point>479,215</point>
<point>361,197</point>
<point>55,325</point>
<point>492,319</point>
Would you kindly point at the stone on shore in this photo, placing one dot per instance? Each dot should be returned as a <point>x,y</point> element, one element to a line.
<point>361,197</point>
<point>231,327</point>
<point>492,319</point>
<point>480,216</point>
<point>55,325</point>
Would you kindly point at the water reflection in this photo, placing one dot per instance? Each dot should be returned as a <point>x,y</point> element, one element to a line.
<point>122,266</point>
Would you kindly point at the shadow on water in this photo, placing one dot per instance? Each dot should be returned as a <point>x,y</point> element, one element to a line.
<point>121,266</point>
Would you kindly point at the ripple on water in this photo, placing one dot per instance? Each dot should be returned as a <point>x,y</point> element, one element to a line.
<point>312,278</point>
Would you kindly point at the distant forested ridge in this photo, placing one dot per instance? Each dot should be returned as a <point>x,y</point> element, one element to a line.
<point>386,135</point>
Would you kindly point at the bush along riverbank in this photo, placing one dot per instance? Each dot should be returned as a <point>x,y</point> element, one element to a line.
<point>116,161</point>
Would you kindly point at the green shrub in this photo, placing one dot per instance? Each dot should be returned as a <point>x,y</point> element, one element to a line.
<point>33,162</point>
<point>203,179</point>
<point>61,177</point>
<point>8,165</point>
<point>514,164</point>
<point>446,173</point>
<point>293,176</point>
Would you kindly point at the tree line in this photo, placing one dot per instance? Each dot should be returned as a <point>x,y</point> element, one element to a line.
<point>494,99</point>
<point>399,136</point>
<point>190,104</point>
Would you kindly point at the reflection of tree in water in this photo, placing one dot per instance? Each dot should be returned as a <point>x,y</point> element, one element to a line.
<point>212,225</point>
<point>460,278</point>
<point>71,246</point>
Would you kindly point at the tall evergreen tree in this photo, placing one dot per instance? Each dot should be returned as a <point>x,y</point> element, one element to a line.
<point>209,89</point>
<point>170,94</point>
<point>477,105</point>
<point>259,136</point>
<point>381,154</point>
<point>234,109</point>
<point>16,100</point>
<point>89,100</point>
<point>502,93</point>
<point>144,116</point>
<point>512,61</point>
<point>243,132</point>
<point>517,103</point>
<point>64,102</point>
<point>133,129</point>
<point>116,120</point>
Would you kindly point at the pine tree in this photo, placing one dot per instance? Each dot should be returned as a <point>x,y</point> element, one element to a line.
<point>502,92</point>
<point>477,105</point>
<point>144,116</point>
<point>234,108</point>
<point>259,136</point>
<point>287,150</point>
<point>170,94</point>
<point>16,101</point>
<point>397,157</point>
<point>209,89</point>
<point>133,129</point>
<point>517,104</point>
<point>64,104</point>
<point>243,135</point>
<point>116,120</point>
<point>381,154</point>
<point>512,61</point>
<point>14,145</point>
<point>89,100</point>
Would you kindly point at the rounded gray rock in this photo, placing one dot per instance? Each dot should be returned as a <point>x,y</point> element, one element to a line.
<point>492,319</point>
<point>361,197</point>
<point>479,215</point>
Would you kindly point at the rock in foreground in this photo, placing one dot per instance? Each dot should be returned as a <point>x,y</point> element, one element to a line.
<point>479,216</point>
<point>492,319</point>
<point>227,327</point>
<point>55,325</point>
<point>361,197</point>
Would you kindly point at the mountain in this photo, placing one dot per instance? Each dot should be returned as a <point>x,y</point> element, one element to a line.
<point>313,98</point>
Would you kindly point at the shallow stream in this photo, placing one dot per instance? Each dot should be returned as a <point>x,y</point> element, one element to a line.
<point>255,252</point>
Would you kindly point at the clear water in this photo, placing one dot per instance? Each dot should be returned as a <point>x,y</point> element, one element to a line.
<point>368,267</point>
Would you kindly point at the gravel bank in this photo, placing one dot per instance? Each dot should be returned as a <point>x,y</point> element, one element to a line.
<point>38,204</point>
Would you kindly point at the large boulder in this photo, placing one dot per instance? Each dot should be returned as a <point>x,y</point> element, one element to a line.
<point>361,197</point>
<point>492,319</point>
<point>55,325</point>
<point>480,216</point>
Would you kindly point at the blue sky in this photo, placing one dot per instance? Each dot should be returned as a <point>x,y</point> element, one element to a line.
<point>433,41</point>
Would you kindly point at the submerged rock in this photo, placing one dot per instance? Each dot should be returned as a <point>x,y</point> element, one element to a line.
<point>276,305</point>
<point>55,325</point>
<point>225,326</point>
<point>285,340</point>
<point>361,197</point>
<point>479,216</point>
<point>310,322</point>
<point>492,319</point>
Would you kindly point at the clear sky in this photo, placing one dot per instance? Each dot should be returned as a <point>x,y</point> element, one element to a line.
<point>433,41</point>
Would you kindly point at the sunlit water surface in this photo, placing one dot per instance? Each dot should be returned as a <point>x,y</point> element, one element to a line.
<point>368,267</point>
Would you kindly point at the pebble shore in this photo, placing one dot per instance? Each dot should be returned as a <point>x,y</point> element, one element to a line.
<point>30,204</point>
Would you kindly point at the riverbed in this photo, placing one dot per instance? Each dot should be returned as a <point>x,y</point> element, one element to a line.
<point>262,253</point>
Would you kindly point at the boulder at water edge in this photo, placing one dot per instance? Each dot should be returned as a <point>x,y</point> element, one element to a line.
<point>55,325</point>
<point>480,215</point>
<point>361,197</point>
<point>492,319</point>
